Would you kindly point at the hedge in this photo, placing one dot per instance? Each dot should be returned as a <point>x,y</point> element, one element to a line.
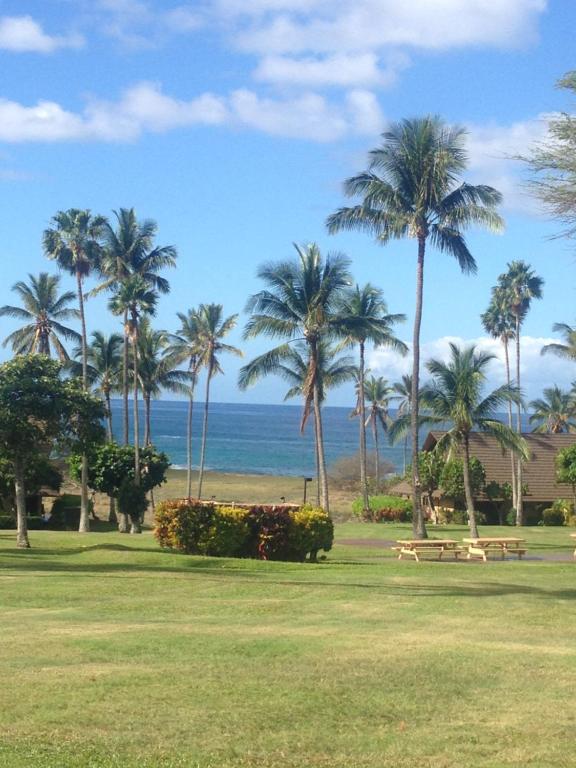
<point>281,532</point>
<point>384,509</point>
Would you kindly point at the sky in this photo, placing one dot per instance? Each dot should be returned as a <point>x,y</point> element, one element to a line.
<point>233,123</point>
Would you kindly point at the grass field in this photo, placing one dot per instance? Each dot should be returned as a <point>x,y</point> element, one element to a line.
<point>115,653</point>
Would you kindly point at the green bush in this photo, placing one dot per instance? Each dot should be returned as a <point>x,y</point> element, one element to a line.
<point>553,516</point>
<point>455,516</point>
<point>263,532</point>
<point>7,522</point>
<point>384,509</point>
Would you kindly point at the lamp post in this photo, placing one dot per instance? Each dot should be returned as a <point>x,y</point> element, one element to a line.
<point>306,481</point>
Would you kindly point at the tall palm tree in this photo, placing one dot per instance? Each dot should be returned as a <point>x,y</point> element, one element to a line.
<point>156,370</point>
<point>411,189</point>
<point>555,412</point>
<point>298,304</point>
<point>74,242</point>
<point>185,346</point>
<point>520,284</point>
<point>129,250</point>
<point>134,298</point>
<point>379,395</point>
<point>499,322</point>
<point>455,396</point>
<point>403,390</point>
<point>42,311</point>
<point>213,328</point>
<point>362,316</point>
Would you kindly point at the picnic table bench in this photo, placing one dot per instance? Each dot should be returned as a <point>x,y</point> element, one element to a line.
<point>573,535</point>
<point>417,547</point>
<point>483,545</point>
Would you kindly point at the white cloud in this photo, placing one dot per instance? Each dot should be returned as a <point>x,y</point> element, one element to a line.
<point>345,70</point>
<point>137,24</point>
<point>536,371</point>
<point>145,108</point>
<point>21,34</point>
<point>283,26</point>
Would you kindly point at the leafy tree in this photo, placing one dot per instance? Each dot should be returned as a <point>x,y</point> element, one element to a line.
<point>553,167</point>
<point>213,327</point>
<point>432,464</point>
<point>42,312</point>
<point>566,468</point>
<point>73,242</point>
<point>185,346</point>
<point>297,304</point>
<point>500,494</point>
<point>455,397</point>
<point>453,481</point>
<point>129,250</point>
<point>112,465</point>
<point>554,412</point>
<point>519,285</point>
<point>362,316</point>
<point>411,189</point>
<point>37,411</point>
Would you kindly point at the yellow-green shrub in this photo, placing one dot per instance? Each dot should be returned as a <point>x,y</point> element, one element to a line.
<point>228,534</point>
<point>311,530</point>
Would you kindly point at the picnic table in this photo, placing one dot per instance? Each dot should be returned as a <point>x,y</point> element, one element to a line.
<point>416,547</point>
<point>483,545</point>
<point>573,535</point>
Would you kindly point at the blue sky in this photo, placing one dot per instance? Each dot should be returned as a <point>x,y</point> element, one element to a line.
<point>233,123</point>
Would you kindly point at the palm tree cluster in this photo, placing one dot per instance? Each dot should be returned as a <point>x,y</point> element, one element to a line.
<point>127,263</point>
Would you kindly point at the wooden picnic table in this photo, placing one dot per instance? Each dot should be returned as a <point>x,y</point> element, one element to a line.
<point>573,535</point>
<point>482,545</point>
<point>416,547</point>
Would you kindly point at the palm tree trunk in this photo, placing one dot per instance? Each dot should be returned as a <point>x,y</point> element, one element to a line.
<point>512,458</point>
<point>135,409</point>
<point>22,520</point>
<point>109,431</point>
<point>405,454</point>
<point>84,526</point>
<point>147,433</point>
<point>317,457</point>
<point>362,408</point>
<point>519,498</point>
<point>204,431</point>
<point>376,454</point>
<point>468,491</point>
<point>125,381</point>
<point>323,477</point>
<point>418,526</point>
<point>189,440</point>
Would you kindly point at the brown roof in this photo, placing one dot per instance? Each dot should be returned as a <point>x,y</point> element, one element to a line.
<point>539,472</point>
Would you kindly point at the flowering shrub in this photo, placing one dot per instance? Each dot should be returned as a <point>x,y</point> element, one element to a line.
<point>263,532</point>
<point>384,509</point>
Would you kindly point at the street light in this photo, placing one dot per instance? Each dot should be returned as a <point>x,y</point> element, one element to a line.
<point>306,481</point>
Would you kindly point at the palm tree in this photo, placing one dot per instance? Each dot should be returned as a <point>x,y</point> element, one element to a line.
<point>133,298</point>
<point>455,396</point>
<point>156,370</point>
<point>520,285</point>
<point>186,346</point>
<point>499,322</point>
<point>74,243</point>
<point>411,189</point>
<point>104,360</point>
<point>42,311</point>
<point>567,350</point>
<point>555,411</point>
<point>213,327</point>
<point>379,395</point>
<point>403,390</point>
<point>362,316</point>
<point>129,250</point>
<point>297,304</point>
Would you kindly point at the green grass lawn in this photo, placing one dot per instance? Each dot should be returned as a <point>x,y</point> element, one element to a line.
<point>115,653</point>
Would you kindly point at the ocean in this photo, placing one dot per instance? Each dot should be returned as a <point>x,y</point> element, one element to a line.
<point>255,439</point>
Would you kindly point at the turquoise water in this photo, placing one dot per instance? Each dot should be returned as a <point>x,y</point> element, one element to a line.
<point>259,439</point>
